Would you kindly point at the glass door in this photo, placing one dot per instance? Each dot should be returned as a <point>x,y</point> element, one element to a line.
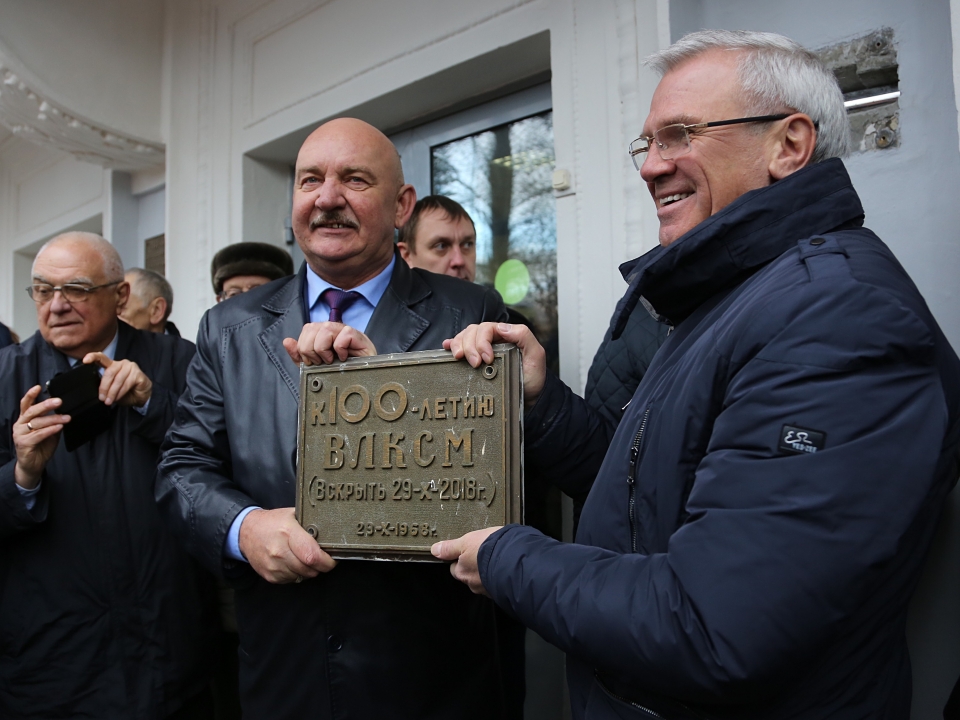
<point>497,161</point>
<point>502,176</point>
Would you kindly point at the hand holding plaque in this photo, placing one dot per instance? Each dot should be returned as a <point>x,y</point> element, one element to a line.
<point>475,344</point>
<point>462,556</point>
<point>323,343</point>
<point>396,452</point>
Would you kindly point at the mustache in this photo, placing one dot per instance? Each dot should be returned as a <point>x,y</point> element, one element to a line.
<point>332,218</point>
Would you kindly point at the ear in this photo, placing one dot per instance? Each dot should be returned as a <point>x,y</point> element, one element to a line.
<point>404,251</point>
<point>792,146</point>
<point>406,199</point>
<point>123,295</point>
<point>157,309</point>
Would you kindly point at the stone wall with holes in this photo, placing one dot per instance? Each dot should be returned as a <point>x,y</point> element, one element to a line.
<point>866,67</point>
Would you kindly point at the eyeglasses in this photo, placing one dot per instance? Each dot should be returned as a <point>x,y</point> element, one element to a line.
<point>41,293</point>
<point>673,141</point>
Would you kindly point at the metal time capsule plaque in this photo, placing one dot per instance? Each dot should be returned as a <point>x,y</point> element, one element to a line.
<point>396,452</point>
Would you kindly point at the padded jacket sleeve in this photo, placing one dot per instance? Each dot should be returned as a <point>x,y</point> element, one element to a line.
<point>565,439</point>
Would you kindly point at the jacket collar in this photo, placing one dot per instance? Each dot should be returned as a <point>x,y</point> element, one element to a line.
<point>750,232</point>
<point>395,325</point>
<point>287,304</point>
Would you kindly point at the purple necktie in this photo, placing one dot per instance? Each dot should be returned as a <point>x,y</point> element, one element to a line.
<point>338,300</point>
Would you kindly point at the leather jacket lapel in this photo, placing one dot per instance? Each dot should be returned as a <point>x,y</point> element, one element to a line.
<point>395,326</point>
<point>287,306</point>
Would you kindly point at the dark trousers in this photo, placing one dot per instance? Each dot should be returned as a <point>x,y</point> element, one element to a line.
<point>226,678</point>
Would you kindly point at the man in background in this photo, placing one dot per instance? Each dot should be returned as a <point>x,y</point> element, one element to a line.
<point>243,266</point>
<point>440,237</point>
<point>150,302</point>
<point>102,614</point>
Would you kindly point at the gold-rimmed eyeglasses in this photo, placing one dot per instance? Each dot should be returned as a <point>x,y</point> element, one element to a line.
<point>673,141</point>
<point>42,293</point>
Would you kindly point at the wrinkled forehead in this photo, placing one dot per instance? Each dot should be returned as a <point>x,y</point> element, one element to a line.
<point>702,89</point>
<point>70,260</point>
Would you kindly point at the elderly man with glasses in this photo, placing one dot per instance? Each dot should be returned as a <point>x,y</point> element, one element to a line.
<point>103,615</point>
<point>762,513</point>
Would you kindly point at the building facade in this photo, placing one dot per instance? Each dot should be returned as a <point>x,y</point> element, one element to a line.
<point>171,127</point>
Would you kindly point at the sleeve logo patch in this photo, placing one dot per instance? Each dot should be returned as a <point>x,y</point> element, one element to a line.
<point>801,440</point>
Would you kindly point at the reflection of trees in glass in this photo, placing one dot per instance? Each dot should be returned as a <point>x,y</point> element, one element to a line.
<point>503,178</point>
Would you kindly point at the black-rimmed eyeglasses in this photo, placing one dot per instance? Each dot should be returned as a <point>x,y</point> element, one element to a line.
<point>673,141</point>
<point>41,293</point>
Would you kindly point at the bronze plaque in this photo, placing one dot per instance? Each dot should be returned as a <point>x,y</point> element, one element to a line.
<point>396,452</point>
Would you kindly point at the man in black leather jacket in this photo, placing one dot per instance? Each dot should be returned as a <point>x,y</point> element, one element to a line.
<point>367,639</point>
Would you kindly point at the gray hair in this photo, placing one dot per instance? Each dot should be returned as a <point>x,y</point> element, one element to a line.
<point>112,264</point>
<point>774,72</point>
<point>149,285</point>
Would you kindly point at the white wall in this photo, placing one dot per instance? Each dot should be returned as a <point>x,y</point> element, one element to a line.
<point>42,192</point>
<point>99,58</point>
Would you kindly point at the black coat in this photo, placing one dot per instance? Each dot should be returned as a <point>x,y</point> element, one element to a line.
<point>101,613</point>
<point>369,639</point>
<point>759,523</point>
<point>617,369</point>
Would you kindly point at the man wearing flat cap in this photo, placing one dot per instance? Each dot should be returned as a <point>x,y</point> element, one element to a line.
<point>243,266</point>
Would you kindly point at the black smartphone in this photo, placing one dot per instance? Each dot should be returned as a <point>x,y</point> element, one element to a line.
<point>79,388</point>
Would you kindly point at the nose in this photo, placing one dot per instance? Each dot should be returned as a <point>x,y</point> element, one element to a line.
<point>59,303</point>
<point>456,257</point>
<point>655,166</point>
<point>330,196</point>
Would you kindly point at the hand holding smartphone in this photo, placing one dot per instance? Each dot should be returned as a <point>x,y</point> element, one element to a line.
<point>79,389</point>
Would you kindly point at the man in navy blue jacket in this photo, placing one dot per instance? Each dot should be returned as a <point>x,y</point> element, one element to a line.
<point>761,516</point>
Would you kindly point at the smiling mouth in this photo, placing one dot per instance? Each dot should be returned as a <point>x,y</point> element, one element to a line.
<point>670,199</point>
<point>332,221</point>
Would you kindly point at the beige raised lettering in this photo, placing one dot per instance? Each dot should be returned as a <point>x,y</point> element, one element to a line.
<point>469,407</point>
<point>316,414</point>
<point>485,405</point>
<point>425,410</point>
<point>451,440</point>
<point>333,453</point>
<point>399,409</point>
<point>390,444</point>
<point>355,417</point>
<point>418,449</point>
<point>368,461</point>
<point>454,401</point>
<point>439,411</point>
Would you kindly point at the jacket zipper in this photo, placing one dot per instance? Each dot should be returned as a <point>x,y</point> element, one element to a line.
<point>612,694</point>
<point>632,477</point>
